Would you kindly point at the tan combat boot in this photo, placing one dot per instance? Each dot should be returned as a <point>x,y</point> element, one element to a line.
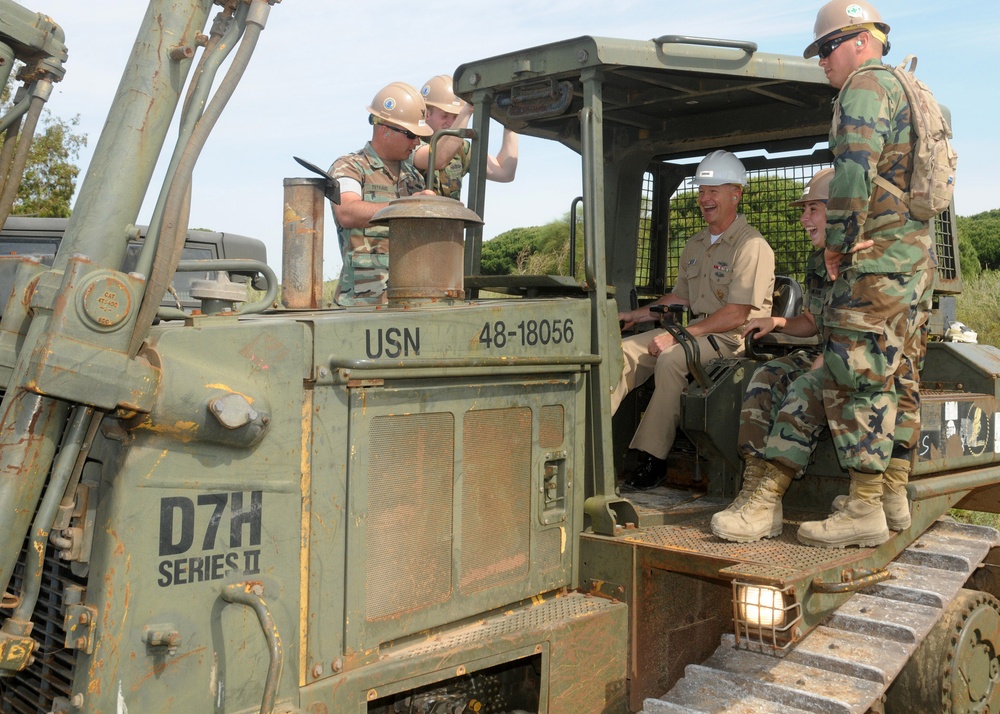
<point>895,502</point>
<point>860,522</point>
<point>753,473</point>
<point>760,516</point>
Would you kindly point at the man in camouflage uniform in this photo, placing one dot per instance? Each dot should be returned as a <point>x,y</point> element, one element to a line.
<point>369,179</point>
<point>875,320</point>
<point>453,154</point>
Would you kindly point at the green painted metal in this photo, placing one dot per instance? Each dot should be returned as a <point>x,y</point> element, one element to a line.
<point>333,510</point>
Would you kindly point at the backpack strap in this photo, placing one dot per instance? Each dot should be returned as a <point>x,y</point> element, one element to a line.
<point>891,188</point>
<point>901,67</point>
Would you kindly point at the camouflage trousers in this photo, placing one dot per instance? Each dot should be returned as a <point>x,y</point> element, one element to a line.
<point>875,338</point>
<point>783,417</point>
<point>363,279</point>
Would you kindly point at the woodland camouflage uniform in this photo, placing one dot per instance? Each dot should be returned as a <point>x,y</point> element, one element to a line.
<point>365,251</point>
<point>876,317</point>
<point>782,415</point>
<point>448,181</point>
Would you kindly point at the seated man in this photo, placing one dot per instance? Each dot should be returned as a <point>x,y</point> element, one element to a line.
<point>726,277</point>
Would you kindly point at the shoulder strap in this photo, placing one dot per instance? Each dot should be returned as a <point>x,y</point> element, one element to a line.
<point>890,187</point>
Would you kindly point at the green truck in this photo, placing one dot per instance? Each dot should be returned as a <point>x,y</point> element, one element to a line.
<point>413,508</point>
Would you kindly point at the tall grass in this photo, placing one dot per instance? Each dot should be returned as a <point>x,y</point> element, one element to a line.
<point>979,306</point>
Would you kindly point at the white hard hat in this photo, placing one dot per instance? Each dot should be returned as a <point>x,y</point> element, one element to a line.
<point>718,168</point>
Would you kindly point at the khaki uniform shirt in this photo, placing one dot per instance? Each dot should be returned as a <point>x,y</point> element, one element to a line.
<point>738,269</point>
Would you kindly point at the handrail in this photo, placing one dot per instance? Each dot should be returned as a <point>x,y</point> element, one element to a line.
<point>745,45</point>
<point>572,234</point>
<point>432,157</point>
<point>233,265</point>
<point>249,594</point>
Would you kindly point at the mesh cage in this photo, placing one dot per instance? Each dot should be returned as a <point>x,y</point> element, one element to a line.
<point>765,618</point>
<point>949,274</point>
<point>765,204</point>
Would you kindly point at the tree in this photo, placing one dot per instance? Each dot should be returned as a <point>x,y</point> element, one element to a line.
<point>982,232</point>
<point>50,175</point>
<point>538,250</point>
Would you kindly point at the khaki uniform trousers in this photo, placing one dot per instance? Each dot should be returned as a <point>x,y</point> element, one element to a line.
<point>658,426</point>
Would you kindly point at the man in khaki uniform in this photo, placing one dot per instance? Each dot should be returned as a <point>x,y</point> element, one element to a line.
<point>726,278</point>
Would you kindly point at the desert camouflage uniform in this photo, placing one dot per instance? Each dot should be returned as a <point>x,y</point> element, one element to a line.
<point>875,320</point>
<point>365,251</point>
<point>448,181</point>
<point>783,416</point>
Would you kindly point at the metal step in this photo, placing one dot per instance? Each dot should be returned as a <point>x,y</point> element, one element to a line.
<point>845,665</point>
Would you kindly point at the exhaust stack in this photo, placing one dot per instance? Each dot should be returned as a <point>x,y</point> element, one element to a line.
<point>427,249</point>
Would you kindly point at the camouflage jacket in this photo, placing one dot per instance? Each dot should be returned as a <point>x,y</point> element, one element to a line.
<point>365,251</point>
<point>871,135</point>
<point>448,181</point>
<point>815,288</point>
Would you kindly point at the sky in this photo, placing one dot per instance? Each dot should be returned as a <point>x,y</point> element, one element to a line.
<point>320,62</point>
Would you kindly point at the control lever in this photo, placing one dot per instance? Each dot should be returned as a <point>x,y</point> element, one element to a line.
<point>332,189</point>
<point>692,350</point>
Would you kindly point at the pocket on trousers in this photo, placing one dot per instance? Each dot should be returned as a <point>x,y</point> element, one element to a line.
<point>853,321</point>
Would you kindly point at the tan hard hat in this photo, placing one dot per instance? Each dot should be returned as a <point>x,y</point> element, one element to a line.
<point>839,15</point>
<point>401,105</point>
<point>818,188</point>
<point>439,92</point>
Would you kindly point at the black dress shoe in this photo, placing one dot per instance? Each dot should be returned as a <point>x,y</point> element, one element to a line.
<point>644,471</point>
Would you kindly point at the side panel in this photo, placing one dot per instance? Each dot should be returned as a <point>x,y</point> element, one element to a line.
<point>181,516</point>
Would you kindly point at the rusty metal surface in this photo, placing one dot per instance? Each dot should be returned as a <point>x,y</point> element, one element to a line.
<point>784,553</point>
<point>845,665</point>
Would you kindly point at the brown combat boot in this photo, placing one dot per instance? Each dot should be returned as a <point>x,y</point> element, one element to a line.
<point>753,473</point>
<point>895,502</point>
<point>760,516</point>
<point>860,522</point>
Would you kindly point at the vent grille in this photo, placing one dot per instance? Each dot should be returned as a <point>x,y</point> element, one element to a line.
<point>51,675</point>
<point>496,505</point>
<point>551,426</point>
<point>410,492</point>
<point>548,553</point>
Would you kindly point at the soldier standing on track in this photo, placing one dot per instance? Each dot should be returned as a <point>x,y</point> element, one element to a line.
<point>875,323</point>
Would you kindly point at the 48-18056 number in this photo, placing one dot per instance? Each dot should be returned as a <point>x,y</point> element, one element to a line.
<point>527,333</point>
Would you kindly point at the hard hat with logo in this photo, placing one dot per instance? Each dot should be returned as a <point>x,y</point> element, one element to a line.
<point>439,92</point>
<point>718,168</point>
<point>843,16</point>
<point>401,105</point>
<point>818,188</point>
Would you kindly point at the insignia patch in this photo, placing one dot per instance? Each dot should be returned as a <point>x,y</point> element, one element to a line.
<point>721,294</point>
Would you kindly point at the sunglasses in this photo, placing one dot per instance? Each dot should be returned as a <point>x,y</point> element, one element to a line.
<point>408,134</point>
<point>827,48</point>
